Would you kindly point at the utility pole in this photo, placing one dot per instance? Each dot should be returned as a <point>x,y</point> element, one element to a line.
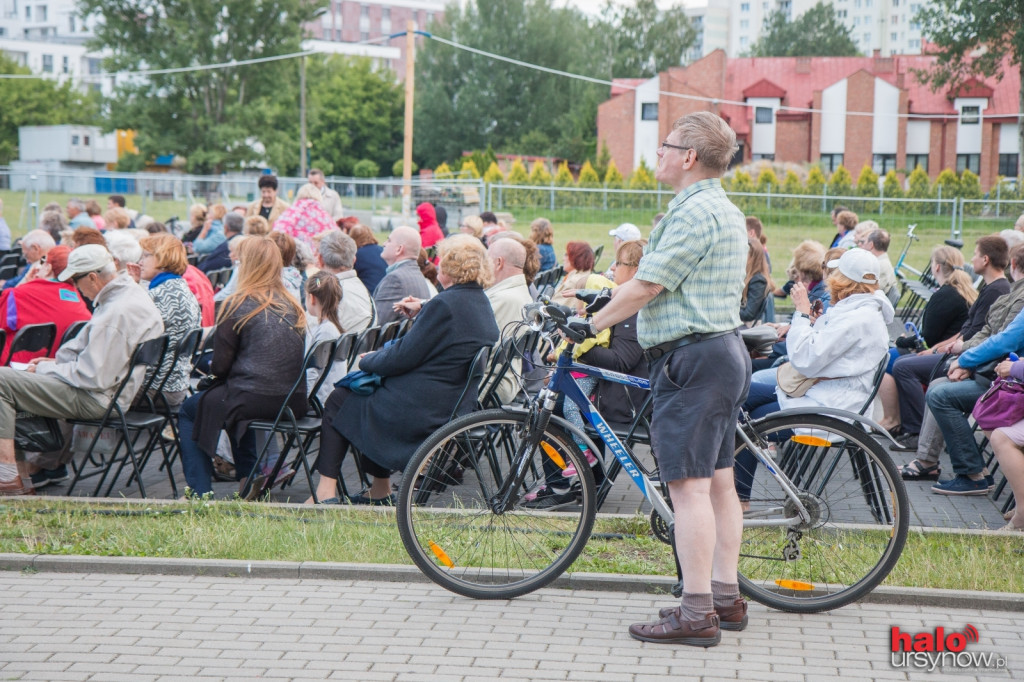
<point>410,88</point>
<point>302,116</point>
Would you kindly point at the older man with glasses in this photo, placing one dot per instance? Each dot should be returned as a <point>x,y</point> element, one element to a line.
<point>687,291</point>
<point>83,377</point>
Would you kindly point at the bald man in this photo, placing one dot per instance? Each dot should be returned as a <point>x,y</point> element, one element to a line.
<point>508,295</point>
<point>403,277</point>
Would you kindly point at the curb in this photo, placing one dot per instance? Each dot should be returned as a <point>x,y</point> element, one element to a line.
<point>314,570</point>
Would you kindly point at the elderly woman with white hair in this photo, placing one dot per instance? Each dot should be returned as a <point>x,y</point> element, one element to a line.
<point>433,359</point>
<point>306,218</point>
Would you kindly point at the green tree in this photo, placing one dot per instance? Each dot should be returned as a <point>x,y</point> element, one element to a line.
<point>494,173</point>
<point>517,175</point>
<point>366,168</point>
<point>973,39</point>
<point>918,184</point>
<point>791,185</point>
<point>613,180</point>
<point>841,182</point>
<point>743,183</point>
<point>540,177</point>
<point>469,166</point>
<point>815,180</point>
<point>38,101</point>
<point>216,118</point>
<point>468,100</point>
<point>815,33</point>
<point>563,178</point>
<point>604,157</point>
<point>891,186</point>
<point>354,112</point>
<point>867,182</point>
<point>398,168</point>
<point>442,171</point>
<point>646,40</point>
<point>588,176</point>
<point>767,181</point>
<point>642,179</point>
<point>949,183</point>
<point>970,188</point>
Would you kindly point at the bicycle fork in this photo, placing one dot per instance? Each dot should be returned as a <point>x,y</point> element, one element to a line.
<point>507,495</point>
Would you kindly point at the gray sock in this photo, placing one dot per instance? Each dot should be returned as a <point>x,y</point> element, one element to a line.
<point>726,594</point>
<point>8,472</point>
<point>696,606</point>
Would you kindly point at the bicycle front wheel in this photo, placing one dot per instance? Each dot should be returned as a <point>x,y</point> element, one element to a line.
<point>858,509</point>
<point>472,532</point>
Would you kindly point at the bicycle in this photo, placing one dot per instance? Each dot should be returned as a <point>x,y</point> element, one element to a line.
<point>826,523</point>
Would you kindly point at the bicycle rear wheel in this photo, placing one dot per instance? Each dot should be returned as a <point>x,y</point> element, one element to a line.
<point>449,517</point>
<point>859,516</point>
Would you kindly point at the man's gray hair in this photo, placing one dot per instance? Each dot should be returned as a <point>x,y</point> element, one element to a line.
<point>108,271</point>
<point>52,221</point>
<point>40,238</point>
<point>337,250</point>
<point>123,247</point>
<point>76,204</point>
<point>710,136</point>
<point>234,223</point>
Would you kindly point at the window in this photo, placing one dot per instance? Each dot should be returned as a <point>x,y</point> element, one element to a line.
<point>971,162</point>
<point>763,115</point>
<point>867,38</point>
<point>1008,165</point>
<point>744,6</point>
<point>94,66</point>
<point>744,24</point>
<point>47,63</point>
<point>28,13</point>
<point>856,21</point>
<point>3,31</point>
<point>65,65</point>
<point>830,162</point>
<point>883,163</point>
<point>893,37</point>
<point>915,44</point>
<point>895,19</point>
<point>85,140</point>
<point>364,11</point>
<point>867,3</point>
<point>649,111</point>
<point>74,140</point>
<point>744,41</point>
<point>970,116</point>
<point>364,36</point>
<point>763,157</point>
<point>915,160</point>
<point>71,23</point>
<point>41,12</point>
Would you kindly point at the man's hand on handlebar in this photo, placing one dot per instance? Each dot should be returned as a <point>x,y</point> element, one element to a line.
<point>594,298</point>
<point>579,330</point>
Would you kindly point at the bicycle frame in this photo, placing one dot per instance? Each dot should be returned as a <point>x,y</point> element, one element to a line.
<point>562,382</point>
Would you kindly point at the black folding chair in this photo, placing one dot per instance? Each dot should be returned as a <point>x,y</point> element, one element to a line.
<point>297,430</point>
<point>389,332</point>
<point>129,424</point>
<point>33,338</point>
<point>72,331</point>
<point>366,342</point>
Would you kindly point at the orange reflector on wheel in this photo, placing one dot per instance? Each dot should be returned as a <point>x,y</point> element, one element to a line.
<point>794,585</point>
<point>441,555</point>
<point>553,455</point>
<point>811,440</point>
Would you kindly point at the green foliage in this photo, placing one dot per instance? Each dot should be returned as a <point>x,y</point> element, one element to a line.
<point>366,168</point>
<point>841,182</point>
<point>815,33</point>
<point>355,111</point>
<point>534,142</point>
<point>948,182</point>
<point>588,176</point>
<point>767,181</point>
<point>642,178</point>
<point>398,167</point>
<point>494,173</point>
<point>604,157</point>
<point>918,184</point>
<point>219,118</point>
<point>563,178</point>
<point>815,180</point>
<point>37,101</point>
<point>130,163</point>
<point>742,182</point>
<point>891,186</point>
<point>972,39</point>
<point>646,40</point>
<point>791,185</point>
<point>970,188</point>
<point>469,165</point>
<point>482,160</point>
<point>867,182</point>
<point>539,174</point>
<point>517,175</point>
<point>613,180</point>
<point>442,171</point>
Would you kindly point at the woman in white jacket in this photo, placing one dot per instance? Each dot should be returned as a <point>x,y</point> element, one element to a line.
<point>841,349</point>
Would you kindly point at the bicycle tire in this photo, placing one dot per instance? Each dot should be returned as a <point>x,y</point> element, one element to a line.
<point>859,508</point>
<point>451,531</point>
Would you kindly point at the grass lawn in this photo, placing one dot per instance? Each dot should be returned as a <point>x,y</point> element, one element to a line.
<point>238,530</point>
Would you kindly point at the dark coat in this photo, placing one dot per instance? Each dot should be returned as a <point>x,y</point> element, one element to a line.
<point>424,374</point>
<point>618,403</point>
<point>219,258</point>
<point>370,267</point>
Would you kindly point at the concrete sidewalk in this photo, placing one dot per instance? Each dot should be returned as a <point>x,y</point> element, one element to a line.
<point>139,628</point>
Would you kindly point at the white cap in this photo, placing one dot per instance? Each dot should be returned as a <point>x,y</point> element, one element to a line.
<point>87,258</point>
<point>858,265</point>
<point>627,232</point>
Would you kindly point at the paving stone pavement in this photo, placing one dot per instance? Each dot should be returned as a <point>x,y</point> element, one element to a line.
<point>142,628</point>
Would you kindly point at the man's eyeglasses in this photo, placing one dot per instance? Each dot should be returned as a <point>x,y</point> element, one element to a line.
<point>674,146</point>
<point>75,278</point>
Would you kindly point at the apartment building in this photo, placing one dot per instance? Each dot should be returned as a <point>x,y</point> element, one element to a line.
<point>830,110</point>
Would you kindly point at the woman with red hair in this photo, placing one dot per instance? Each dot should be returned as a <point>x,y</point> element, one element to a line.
<point>579,274</point>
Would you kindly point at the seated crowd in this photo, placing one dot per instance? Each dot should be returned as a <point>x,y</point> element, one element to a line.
<point>301,273</point>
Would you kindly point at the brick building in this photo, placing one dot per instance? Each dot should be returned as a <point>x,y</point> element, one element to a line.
<point>863,110</point>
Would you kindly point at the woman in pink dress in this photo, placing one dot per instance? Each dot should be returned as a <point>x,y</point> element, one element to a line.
<point>306,218</point>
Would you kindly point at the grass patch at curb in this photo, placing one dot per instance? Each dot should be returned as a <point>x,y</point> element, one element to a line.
<point>248,531</point>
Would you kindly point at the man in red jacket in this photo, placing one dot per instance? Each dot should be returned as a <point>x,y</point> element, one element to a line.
<point>41,298</point>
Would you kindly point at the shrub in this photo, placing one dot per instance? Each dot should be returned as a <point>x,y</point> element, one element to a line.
<point>767,181</point>
<point>396,168</point>
<point>469,165</point>
<point>642,179</point>
<point>613,180</point>
<point>841,182</point>
<point>918,185</point>
<point>815,180</point>
<point>563,178</point>
<point>791,185</point>
<point>867,182</point>
<point>366,168</point>
<point>970,188</point>
<point>517,175</point>
<point>442,171</point>
<point>494,173</point>
<point>948,182</point>
<point>891,186</point>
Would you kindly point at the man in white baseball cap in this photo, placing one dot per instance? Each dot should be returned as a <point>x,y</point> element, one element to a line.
<point>626,232</point>
<point>858,265</point>
<point>81,380</point>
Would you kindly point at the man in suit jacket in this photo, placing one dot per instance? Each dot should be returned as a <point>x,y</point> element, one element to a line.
<point>403,276</point>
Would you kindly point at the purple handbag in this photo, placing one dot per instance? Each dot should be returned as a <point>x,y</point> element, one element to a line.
<point>1001,405</point>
